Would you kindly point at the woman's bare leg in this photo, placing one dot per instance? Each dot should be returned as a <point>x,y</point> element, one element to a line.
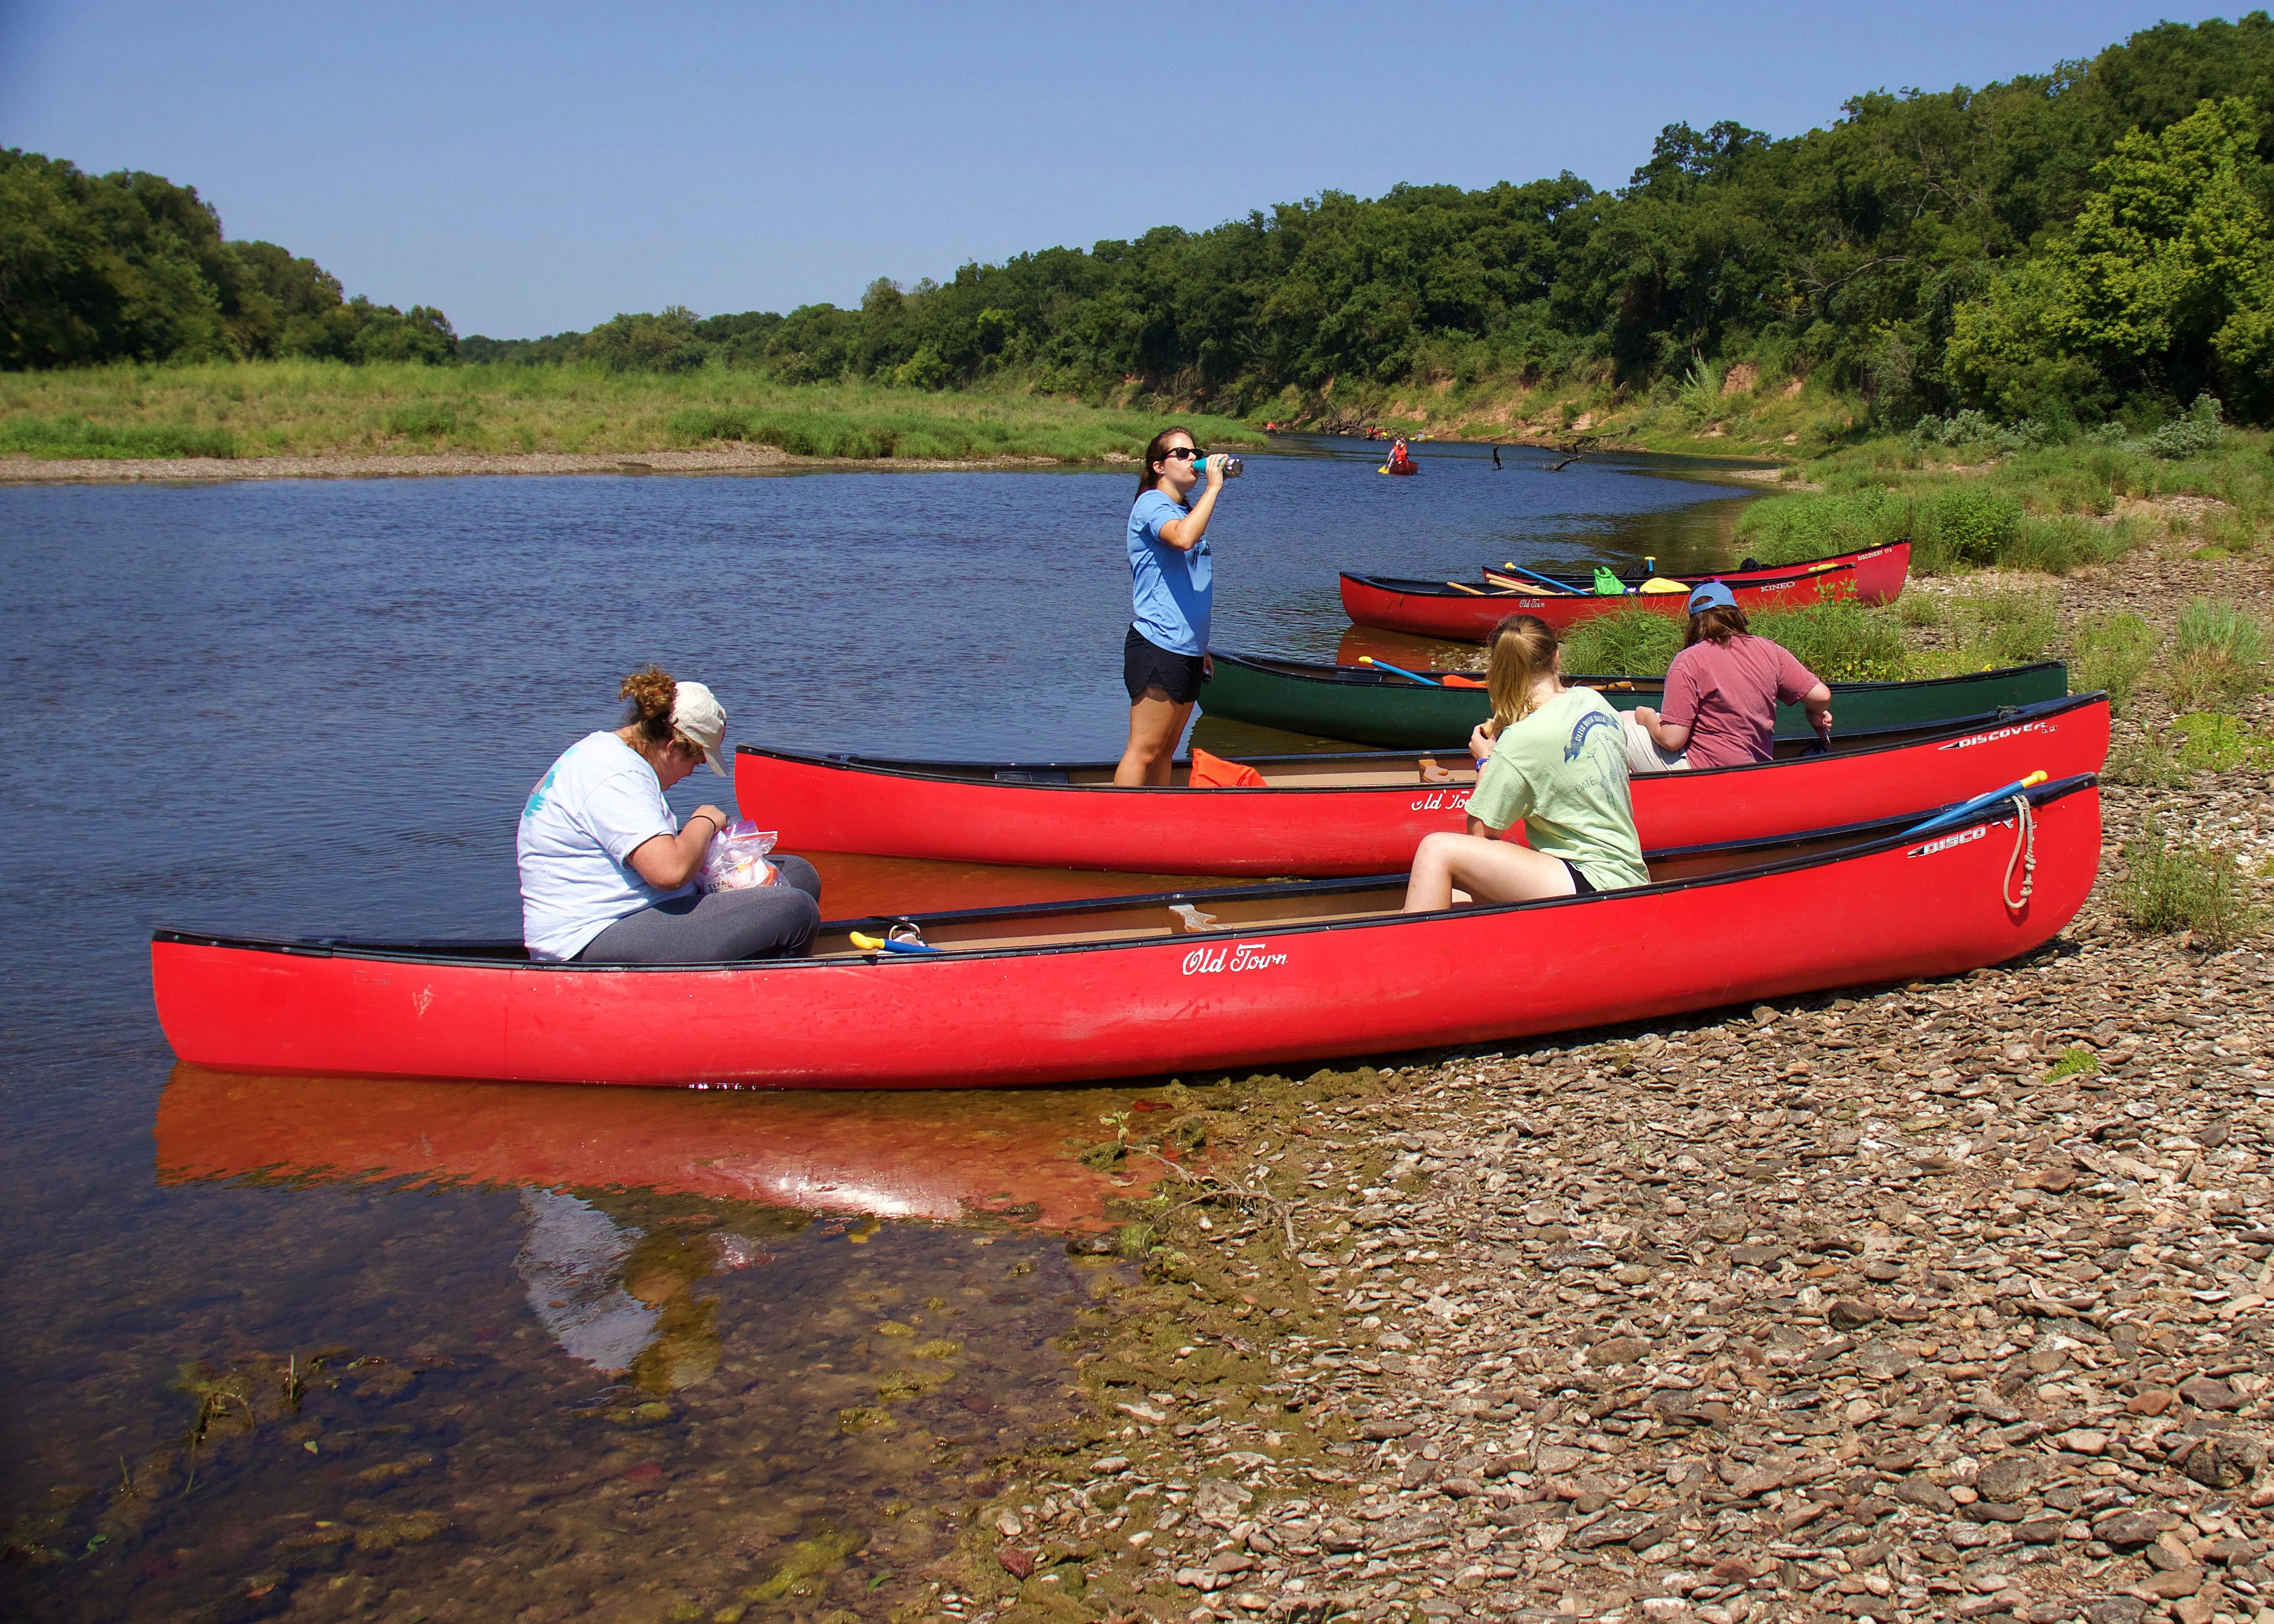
<point>1155,723</point>
<point>1487,870</point>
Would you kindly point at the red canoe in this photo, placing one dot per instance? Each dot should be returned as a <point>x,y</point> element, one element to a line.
<point>1881,573</point>
<point>1364,813</point>
<point>1119,988</point>
<point>1459,612</point>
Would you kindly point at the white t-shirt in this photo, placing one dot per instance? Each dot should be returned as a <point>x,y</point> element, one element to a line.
<point>592,809</point>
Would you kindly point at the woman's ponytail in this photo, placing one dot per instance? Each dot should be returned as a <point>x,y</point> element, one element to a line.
<point>1523,649</point>
<point>651,692</point>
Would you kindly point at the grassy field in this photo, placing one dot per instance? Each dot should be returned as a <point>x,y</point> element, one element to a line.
<point>308,407</point>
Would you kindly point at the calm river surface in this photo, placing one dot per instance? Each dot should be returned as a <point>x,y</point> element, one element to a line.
<point>340,1350</point>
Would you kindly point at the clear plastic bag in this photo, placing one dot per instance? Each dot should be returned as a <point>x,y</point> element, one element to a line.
<point>737,859</point>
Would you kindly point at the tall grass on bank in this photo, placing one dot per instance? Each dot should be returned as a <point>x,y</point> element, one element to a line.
<point>76,437</point>
<point>314,408</point>
<point>2054,508</point>
<point>2219,654</point>
<point>2181,885</point>
<point>1840,641</point>
<point>2112,652</point>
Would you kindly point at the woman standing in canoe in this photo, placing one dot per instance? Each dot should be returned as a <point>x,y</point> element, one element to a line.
<point>606,871</point>
<point>1721,694</point>
<point>1164,657</point>
<point>1555,758</point>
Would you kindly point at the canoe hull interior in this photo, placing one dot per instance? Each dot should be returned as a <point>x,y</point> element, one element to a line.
<point>1889,910</point>
<point>1371,707</point>
<point>907,810</point>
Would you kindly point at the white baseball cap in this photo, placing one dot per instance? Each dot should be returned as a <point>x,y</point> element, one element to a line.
<point>697,717</point>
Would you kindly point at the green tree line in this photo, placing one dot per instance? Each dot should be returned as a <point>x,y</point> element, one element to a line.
<point>2053,250</point>
<point>131,266</point>
<point>2059,247</point>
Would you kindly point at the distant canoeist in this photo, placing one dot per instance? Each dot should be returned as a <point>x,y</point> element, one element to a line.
<point>1495,456</point>
<point>1164,657</point>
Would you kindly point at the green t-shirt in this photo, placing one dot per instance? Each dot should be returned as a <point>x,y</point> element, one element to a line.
<point>1563,770</point>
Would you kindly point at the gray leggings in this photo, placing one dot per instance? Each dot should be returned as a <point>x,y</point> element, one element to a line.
<point>771,921</point>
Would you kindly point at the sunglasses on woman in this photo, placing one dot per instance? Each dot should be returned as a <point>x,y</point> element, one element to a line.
<point>1183,453</point>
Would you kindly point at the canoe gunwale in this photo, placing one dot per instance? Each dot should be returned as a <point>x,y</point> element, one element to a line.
<point>1895,833</point>
<point>967,773</point>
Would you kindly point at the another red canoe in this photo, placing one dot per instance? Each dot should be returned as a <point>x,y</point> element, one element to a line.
<point>1467,614</point>
<point>1117,988</point>
<point>1462,612</point>
<point>1881,573</point>
<point>1365,813</point>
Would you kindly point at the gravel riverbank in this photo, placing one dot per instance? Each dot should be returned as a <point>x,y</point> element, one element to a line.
<point>1944,1300</point>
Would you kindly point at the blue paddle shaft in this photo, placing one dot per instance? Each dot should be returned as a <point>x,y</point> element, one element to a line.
<point>1383,664</point>
<point>1546,581</point>
<point>1966,809</point>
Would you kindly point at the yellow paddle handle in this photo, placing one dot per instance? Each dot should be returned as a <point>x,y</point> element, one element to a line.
<point>2033,780</point>
<point>867,944</point>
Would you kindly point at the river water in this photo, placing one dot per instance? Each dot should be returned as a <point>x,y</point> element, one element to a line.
<point>358,1350</point>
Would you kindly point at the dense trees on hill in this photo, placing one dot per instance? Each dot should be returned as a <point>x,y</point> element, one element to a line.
<point>2058,246</point>
<point>2061,246</point>
<point>131,266</point>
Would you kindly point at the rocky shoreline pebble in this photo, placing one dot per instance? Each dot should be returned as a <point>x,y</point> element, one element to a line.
<point>1947,1300</point>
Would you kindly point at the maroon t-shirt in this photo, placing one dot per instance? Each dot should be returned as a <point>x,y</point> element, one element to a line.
<point>1727,693</point>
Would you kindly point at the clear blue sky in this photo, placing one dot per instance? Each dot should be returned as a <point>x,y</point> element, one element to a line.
<point>532,168</point>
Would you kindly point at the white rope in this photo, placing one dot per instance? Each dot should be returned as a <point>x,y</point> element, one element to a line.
<point>2024,857</point>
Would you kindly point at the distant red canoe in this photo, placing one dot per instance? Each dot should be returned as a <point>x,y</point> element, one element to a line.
<point>1461,613</point>
<point>1364,813</point>
<point>1402,468</point>
<point>1278,974</point>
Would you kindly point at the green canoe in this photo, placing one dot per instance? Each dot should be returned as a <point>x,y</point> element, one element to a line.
<point>1372,707</point>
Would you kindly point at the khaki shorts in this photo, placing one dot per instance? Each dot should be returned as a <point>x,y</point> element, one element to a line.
<point>1645,754</point>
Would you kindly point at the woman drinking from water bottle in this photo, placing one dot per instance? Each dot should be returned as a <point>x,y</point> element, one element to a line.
<point>1164,657</point>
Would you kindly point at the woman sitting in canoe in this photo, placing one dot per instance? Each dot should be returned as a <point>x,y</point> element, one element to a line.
<point>1721,694</point>
<point>1171,581</point>
<point>1555,758</point>
<point>605,867</point>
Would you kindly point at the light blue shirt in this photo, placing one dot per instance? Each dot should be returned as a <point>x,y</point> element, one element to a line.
<point>592,809</point>
<point>1170,589</point>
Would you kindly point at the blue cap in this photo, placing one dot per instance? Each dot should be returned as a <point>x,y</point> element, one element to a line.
<point>1711,595</point>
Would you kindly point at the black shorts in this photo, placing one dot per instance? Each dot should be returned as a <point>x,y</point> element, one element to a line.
<point>1144,665</point>
<point>1581,885</point>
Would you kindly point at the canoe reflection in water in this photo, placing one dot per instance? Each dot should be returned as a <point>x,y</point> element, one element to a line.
<point>634,1197</point>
